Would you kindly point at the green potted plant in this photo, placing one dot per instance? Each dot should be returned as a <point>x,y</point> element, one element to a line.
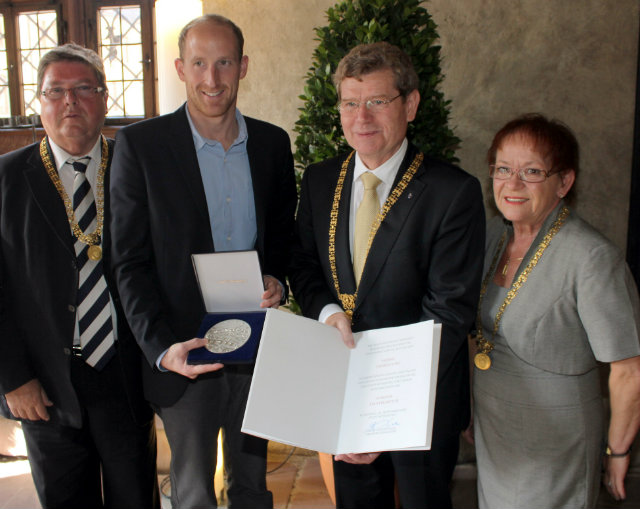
<point>404,23</point>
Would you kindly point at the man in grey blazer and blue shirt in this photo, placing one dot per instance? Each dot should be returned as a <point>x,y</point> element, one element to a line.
<point>202,179</point>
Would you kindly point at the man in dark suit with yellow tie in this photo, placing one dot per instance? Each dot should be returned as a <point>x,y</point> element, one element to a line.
<point>69,365</point>
<point>387,236</point>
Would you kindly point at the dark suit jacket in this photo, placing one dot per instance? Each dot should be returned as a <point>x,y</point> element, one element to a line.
<point>39,281</point>
<point>425,263</point>
<point>160,218</point>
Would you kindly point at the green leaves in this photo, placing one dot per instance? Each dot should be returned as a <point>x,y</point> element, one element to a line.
<point>349,23</point>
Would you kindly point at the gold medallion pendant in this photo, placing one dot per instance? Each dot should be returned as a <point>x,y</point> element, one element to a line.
<point>95,253</point>
<point>91,239</point>
<point>482,361</point>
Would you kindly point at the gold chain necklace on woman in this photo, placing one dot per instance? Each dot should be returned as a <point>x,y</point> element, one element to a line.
<point>348,300</point>
<point>482,359</point>
<point>91,239</point>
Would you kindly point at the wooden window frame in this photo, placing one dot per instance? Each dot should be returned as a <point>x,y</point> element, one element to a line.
<point>78,22</point>
<point>150,78</point>
<point>11,11</point>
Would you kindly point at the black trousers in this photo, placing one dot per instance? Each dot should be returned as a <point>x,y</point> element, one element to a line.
<point>422,477</point>
<point>111,454</point>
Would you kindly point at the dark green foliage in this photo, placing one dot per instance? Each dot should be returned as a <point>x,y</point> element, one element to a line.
<point>401,22</point>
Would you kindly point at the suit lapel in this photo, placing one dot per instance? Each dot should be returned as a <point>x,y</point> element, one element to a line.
<point>392,225</point>
<point>47,199</point>
<point>186,160</point>
<point>344,264</point>
<point>258,174</point>
<point>106,235</point>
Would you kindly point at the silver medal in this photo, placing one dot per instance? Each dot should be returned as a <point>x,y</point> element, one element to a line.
<point>227,336</point>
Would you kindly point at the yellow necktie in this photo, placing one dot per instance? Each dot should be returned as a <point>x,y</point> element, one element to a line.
<point>367,211</point>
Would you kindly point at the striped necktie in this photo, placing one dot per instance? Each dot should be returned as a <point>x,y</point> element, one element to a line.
<point>94,307</point>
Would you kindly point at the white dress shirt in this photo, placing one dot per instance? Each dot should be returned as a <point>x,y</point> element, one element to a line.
<point>386,172</point>
<point>67,175</point>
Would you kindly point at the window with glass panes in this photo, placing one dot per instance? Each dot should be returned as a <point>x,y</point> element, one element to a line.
<point>120,43</point>
<point>120,31</point>
<point>38,33</point>
<point>5,101</point>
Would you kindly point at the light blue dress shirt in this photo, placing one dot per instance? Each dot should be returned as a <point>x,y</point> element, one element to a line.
<point>228,188</point>
<point>226,177</point>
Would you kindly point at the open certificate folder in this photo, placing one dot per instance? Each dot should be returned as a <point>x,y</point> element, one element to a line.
<point>311,391</point>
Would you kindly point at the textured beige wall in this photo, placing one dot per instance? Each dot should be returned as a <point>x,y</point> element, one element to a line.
<point>571,59</point>
<point>279,40</point>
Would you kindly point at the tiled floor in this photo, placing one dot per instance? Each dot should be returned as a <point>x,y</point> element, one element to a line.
<point>16,486</point>
<point>297,484</point>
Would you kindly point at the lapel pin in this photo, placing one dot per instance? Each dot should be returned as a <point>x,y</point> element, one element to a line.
<point>409,196</point>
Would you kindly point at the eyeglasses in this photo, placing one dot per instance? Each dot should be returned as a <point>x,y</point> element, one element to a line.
<point>374,105</point>
<point>81,91</point>
<point>501,172</point>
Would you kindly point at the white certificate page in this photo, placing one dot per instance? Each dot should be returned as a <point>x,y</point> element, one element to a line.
<point>311,391</point>
<point>386,401</point>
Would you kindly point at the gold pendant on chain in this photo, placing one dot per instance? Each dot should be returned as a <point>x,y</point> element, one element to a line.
<point>95,253</point>
<point>482,361</point>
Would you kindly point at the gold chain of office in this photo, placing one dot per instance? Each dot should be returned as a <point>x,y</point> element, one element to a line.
<point>91,239</point>
<point>348,300</point>
<point>482,359</point>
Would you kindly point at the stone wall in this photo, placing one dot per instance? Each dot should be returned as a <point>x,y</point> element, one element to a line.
<point>573,59</point>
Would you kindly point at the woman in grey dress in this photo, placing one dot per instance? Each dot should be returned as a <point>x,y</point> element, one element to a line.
<point>557,298</point>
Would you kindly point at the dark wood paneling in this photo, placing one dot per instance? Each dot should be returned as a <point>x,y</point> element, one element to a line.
<point>12,139</point>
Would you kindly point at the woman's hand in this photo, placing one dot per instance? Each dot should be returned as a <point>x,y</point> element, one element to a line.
<point>614,474</point>
<point>624,396</point>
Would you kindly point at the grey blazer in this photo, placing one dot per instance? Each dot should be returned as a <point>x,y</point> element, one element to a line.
<point>579,304</point>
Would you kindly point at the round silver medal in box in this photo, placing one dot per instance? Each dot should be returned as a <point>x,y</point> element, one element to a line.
<point>227,336</point>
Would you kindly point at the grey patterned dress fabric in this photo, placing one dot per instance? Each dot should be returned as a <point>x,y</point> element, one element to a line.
<point>538,411</point>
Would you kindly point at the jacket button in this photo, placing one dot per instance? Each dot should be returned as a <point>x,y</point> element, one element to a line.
<point>74,265</point>
<point>67,351</point>
<point>71,308</point>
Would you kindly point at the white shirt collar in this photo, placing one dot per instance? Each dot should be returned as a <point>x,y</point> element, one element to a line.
<point>386,171</point>
<point>200,141</point>
<point>61,156</point>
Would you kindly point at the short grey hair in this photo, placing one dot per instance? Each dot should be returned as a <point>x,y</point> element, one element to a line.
<point>72,53</point>
<point>378,56</point>
<point>215,19</point>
